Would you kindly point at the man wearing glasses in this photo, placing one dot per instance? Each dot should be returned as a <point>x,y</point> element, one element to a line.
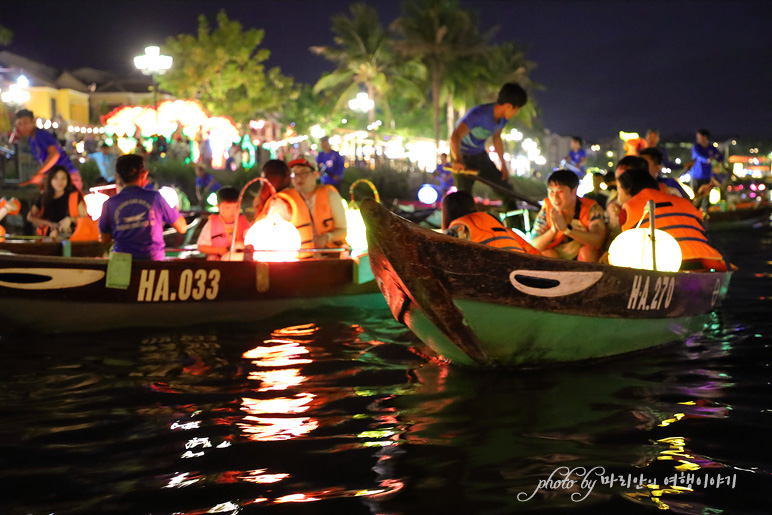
<point>316,210</point>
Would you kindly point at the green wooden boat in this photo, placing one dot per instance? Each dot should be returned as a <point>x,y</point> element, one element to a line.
<point>478,305</point>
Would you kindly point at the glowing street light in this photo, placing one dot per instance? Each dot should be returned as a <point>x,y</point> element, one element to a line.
<point>17,93</point>
<point>153,64</point>
<point>362,103</point>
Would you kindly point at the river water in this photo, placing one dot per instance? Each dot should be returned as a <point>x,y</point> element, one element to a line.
<point>338,412</point>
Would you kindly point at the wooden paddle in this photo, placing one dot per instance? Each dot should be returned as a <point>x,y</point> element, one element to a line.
<point>501,190</point>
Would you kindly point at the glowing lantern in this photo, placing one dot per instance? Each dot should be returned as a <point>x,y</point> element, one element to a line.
<point>428,194</point>
<point>170,195</point>
<point>212,199</point>
<point>356,232</point>
<point>278,239</point>
<point>632,249</point>
<point>715,196</point>
<point>94,202</point>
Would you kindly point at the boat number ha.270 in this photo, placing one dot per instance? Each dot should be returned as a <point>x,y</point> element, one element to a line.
<point>662,291</point>
<point>193,285</point>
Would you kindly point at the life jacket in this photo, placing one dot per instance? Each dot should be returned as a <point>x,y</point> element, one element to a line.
<point>581,213</point>
<point>86,229</point>
<point>221,237</point>
<point>12,207</point>
<point>307,223</point>
<point>679,218</point>
<point>486,229</point>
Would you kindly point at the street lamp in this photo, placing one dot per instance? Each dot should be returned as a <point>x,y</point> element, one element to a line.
<point>153,64</point>
<point>17,93</point>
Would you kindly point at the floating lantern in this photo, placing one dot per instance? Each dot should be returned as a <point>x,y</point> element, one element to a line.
<point>632,249</point>
<point>94,203</point>
<point>428,194</point>
<point>170,195</point>
<point>278,239</point>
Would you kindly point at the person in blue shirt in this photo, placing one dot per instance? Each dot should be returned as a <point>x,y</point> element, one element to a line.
<point>205,184</point>
<point>135,217</point>
<point>703,156</point>
<point>653,156</point>
<point>444,173</point>
<point>576,157</point>
<point>468,142</point>
<point>331,164</point>
<point>46,150</point>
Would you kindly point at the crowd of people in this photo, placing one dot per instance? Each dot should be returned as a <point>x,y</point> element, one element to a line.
<point>305,193</point>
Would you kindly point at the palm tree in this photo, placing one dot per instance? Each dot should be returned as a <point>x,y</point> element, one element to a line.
<point>507,63</point>
<point>438,33</point>
<point>364,56</point>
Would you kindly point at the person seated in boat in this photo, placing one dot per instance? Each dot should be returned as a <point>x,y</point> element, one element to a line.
<point>576,157</point>
<point>674,215</point>
<point>134,218</point>
<point>10,206</point>
<point>316,210</point>
<point>568,226</point>
<point>217,234</point>
<point>615,216</point>
<point>278,174</point>
<point>597,194</point>
<point>61,210</point>
<point>654,158</point>
<point>461,219</point>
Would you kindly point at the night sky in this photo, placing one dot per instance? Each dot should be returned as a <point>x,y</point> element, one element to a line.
<point>605,66</point>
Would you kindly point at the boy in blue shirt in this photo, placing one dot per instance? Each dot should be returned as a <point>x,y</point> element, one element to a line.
<point>467,144</point>
<point>576,157</point>
<point>331,164</point>
<point>135,217</point>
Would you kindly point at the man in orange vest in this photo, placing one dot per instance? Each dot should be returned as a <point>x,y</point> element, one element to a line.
<point>568,226</point>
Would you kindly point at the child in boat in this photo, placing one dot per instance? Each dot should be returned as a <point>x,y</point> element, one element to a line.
<point>135,217</point>
<point>674,215</point>
<point>217,234</point>
<point>568,226</point>
<point>461,219</point>
<point>278,174</point>
<point>60,210</point>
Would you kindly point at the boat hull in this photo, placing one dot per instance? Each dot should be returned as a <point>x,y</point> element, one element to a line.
<point>739,218</point>
<point>477,305</point>
<point>63,295</point>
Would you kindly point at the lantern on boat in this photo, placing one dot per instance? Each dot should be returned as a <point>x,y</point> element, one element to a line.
<point>274,239</point>
<point>170,195</point>
<point>211,200</point>
<point>94,202</point>
<point>356,232</point>
<point>633,249</point>
<point>428,194</point>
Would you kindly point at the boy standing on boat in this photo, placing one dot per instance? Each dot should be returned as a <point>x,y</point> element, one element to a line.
<point>135,217</point>
<point>568,226</point>
<point>467,144</point>
<point>217,234</point>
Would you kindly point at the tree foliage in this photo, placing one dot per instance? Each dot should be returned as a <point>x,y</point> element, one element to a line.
<point>223,68</point>
<point>6,35</point>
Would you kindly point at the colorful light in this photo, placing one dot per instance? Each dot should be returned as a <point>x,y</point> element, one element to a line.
<point>632,249</point>
<point>278,239</point>
<point>94,202</point>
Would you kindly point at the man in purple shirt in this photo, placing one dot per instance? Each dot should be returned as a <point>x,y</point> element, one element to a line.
<point>135,217</point>
<point>331,164</point>
<point>467,144</point>
<point>45,148</point>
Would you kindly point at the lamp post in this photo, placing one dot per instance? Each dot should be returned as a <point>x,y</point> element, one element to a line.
<point>364,104</point>
<point>17,92</point>
<point>153,64</point>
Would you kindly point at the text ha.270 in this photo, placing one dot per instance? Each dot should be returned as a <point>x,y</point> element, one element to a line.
<point>193,285</point>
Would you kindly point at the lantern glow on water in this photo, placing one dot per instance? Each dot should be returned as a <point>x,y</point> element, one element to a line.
<point>632,249</point>
<point>274,239</point>
<point>94,202</point>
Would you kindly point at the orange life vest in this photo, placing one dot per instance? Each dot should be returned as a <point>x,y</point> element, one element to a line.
<point>11,208</point>
<point>319,222</point>
<point>581,213</point>
<point>221,236</point>
<point>486,229</point>
<point>679,218</point>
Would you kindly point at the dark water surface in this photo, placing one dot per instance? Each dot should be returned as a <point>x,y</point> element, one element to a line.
<point>334,413</point>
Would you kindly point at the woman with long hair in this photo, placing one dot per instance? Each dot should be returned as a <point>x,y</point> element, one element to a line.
<point>57,211</point>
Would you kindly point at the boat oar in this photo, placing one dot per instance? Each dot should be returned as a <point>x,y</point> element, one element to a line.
<point>503,191</point>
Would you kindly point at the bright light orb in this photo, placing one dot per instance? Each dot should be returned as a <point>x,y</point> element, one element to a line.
<point>94,202</point>
<point>428,194</point>
<point>170,196</point>
<point>632,249</point>
<point>356,232</point>
<point>715,196</point>
<point>212,199</point>
<point>274,239</point>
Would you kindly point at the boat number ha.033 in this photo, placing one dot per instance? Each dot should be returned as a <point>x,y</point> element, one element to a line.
<point>646,296</point>
<point>193,285</point>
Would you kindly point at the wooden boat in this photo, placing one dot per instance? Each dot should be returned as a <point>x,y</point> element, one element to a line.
<point>53,247</point>
<point>478,305</point>
<point>60,295</point>
<point>738,216</point>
